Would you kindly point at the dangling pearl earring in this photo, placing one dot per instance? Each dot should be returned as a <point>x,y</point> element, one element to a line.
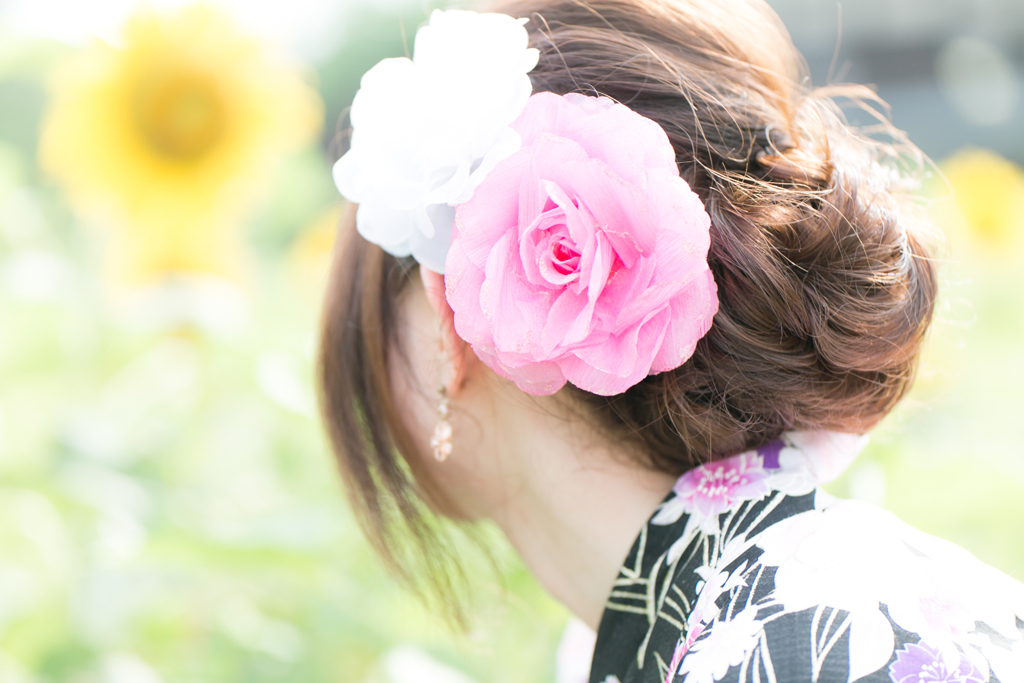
<point>441,441</point>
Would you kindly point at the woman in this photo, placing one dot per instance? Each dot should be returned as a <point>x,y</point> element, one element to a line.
<point>624,284</point>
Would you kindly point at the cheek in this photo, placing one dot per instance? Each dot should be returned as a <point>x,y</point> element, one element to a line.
<point>414,411</point>
<point>417,407</point>
<point>413,371</point>
<point>415,374</point>
<point>465,479</point>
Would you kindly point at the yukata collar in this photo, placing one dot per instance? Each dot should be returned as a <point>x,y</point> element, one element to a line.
<point>793,467</point>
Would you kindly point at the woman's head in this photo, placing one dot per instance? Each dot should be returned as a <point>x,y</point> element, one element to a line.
<point>825,283</point>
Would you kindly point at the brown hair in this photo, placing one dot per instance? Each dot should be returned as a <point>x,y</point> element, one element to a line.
<point>825,278</point>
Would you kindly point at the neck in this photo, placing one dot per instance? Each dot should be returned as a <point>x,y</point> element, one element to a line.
<point>576,509</point>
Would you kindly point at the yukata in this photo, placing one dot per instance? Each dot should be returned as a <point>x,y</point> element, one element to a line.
<point>748,572</point>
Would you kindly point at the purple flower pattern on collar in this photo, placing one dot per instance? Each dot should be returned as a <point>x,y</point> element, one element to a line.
<point>794,464</point>
<point>709,490</point>
<point>770,454</point>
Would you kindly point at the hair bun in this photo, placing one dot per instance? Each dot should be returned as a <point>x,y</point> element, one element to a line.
<point>825,276</point>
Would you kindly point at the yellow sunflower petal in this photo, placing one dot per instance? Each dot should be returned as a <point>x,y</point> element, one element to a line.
<point>175,130</point>
<point>989,193</point>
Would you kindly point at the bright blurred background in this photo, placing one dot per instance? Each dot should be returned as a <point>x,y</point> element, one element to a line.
<point>168,508</point>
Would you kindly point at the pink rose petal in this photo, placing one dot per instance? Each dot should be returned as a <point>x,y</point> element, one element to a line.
<point>582,257</point>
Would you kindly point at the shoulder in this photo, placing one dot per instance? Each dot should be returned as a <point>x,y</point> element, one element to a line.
<point>808,588</point>
<point>846,591</point>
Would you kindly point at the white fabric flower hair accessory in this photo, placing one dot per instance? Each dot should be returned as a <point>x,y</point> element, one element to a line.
<point>426,131</point>
<point>572,249</point>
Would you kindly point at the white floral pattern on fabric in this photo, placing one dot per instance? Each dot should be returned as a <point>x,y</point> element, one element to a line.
<point>748,572</point>
<point>427,130</point>
<point>723,647</point>
<point>811,459</point>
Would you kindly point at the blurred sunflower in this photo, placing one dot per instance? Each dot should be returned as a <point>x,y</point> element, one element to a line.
<point>989,193</point>
<point>171,133</point>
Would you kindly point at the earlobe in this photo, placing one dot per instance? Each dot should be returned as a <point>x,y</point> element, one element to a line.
<point>457,352</point>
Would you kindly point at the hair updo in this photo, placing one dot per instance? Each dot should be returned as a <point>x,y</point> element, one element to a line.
<point>825,278</point>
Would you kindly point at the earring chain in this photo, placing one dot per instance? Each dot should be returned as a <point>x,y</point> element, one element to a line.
<point>441,441</point>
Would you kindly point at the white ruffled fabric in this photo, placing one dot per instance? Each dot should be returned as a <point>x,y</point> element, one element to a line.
<point>427,130</point>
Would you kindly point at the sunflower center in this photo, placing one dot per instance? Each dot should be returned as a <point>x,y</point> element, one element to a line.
<point>179,115</point>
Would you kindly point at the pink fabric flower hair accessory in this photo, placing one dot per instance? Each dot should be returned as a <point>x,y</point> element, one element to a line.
<point>582,257</point>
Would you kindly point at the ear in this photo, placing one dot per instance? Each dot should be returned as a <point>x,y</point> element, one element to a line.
<point>457,351</point>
